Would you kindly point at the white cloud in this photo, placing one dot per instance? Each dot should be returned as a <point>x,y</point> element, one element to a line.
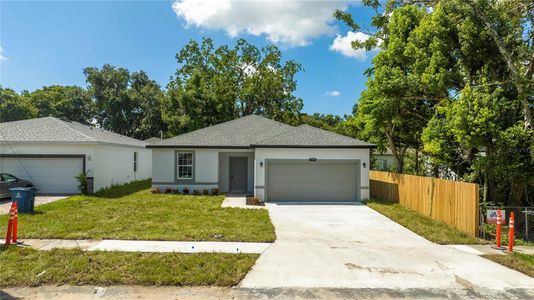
<point>333,93</point>
<point>290,23</point>
<point>2,57</point>
<point>343,45</point>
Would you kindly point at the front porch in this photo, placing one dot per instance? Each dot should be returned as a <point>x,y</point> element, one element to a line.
<point>236,172</point>
<point>230,171</point>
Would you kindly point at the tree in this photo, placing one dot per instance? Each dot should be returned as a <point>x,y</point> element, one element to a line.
<point>113,106</point>
<point>327,122</point>
<point>472,63</point>
<point>67,102</point>
<point>397,103</point>
<point>129,104</point>
<point>214,85</point>
<point>14,107</point>
<point>510,24</point>
<point>149,97</point>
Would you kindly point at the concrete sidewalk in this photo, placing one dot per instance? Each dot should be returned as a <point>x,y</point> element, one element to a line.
<point>146,246</point>
<point>491,250</point>
<point>68,292</point>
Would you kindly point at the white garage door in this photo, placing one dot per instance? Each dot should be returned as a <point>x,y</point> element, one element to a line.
<point>312,181</point>
<point>49,175</point>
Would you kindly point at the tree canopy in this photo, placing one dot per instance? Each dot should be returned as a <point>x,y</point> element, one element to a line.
<point>15,107</point>
<point>67,102</point>
<point>454,78</point>
<point>217,84</point>
<point>129,104</point>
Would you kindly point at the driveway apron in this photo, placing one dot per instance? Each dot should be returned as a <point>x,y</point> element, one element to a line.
<point>353,246</point>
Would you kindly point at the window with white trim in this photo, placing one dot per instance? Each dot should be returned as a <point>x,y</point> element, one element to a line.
<point>185,165</point>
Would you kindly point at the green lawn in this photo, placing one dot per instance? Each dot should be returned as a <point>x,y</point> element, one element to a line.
<point>520,262</point>
<point>435,231</point>
<point>131,212</point>
<point>27,267</point>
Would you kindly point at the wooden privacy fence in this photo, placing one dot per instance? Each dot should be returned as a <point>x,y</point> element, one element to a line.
<point>453,202</point>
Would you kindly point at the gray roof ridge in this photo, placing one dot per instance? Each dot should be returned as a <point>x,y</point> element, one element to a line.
<point>281,133</point>
<point>225,124</point>
<point>66,124</point>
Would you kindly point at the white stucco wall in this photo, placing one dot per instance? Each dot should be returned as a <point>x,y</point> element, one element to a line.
<point>108,164</point>
<point>70,149</point>
<point>205,174</point>
<point>206,166</point>
<point>114,165</point>
<point>299,153</point>
<point>210,168</point>
<point>162,166</point>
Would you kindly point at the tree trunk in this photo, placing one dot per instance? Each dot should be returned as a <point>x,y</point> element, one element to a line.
<point>485,188</point>
<point>417,161</point>
<point>399,163</point>
<point>398,154</point>
<point>514,71</point>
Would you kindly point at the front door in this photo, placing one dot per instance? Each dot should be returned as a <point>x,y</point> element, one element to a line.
<point>238,174</point>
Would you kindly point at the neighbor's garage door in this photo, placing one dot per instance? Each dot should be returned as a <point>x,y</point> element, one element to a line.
<point>49,175</point>
<point>312,181</point>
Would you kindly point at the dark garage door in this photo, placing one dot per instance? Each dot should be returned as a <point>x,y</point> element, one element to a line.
<point>303,180</point>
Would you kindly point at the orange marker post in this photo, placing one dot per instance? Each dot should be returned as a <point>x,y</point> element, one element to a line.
<point>498,233</point>
<point>15,222</point>
<point>511,233</point>
<point>10,226</point>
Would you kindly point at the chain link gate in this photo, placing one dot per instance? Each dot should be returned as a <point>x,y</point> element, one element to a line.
<point>524,221</point>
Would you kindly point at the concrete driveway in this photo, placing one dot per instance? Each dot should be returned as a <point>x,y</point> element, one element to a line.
<point>352,246</point>
<point>5,204</point>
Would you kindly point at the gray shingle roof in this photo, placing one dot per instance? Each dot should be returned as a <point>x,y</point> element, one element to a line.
<point>54,130</point>
<point>152,140</point>
<point>306,136</point>
<point>238,133</point>
<point>257,131</point>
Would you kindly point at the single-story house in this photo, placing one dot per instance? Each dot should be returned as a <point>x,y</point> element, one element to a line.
<point>51,152</point>
<point>383,161</point>
<point>272,160</point>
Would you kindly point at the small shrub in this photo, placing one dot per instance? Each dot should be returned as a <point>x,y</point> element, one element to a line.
<point>168,190</point>
<point>215,191</point>
<point>82,183</point>
<point>185,190</point>
<point>155,190</point>
<point>206,192</point>
<point>196,192</point>
<point>254,201</point>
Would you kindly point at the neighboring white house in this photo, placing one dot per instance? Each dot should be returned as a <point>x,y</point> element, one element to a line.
<point>383,161</point>
<point>272,160</point>
<point>50,152</point>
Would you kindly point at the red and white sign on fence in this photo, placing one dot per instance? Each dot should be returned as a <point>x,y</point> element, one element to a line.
<point>491,216</point>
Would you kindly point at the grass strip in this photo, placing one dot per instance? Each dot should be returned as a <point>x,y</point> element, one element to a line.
<point>28,267</point>
<point>131,212</point>
<point>521,262</point>
<point>432,230</point>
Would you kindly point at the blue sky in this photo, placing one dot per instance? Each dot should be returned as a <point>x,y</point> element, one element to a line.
<point>49,42</point>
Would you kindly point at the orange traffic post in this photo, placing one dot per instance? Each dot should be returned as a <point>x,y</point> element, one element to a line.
<point>498,233</point>
<point>15,223</point>
<point>10,226</point>
<point>511,233</point>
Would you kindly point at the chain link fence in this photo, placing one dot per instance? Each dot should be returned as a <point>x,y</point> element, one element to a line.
<point>523,222</point>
